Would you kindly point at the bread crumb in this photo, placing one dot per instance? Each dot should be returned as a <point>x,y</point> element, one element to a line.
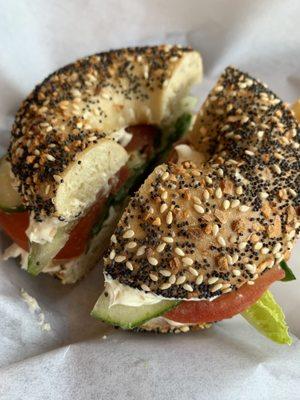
<point>34,308</point>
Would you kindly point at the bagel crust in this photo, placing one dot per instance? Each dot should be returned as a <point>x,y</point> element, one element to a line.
<point>84,103</point>
<point>201,232</point>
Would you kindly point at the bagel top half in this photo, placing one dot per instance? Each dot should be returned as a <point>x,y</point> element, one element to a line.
<point>64,144</point>
<point>200,231</point>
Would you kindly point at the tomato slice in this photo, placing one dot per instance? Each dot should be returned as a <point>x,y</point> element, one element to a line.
<point>15,224</point>
<point>227,305</point>
<point>142,139</point>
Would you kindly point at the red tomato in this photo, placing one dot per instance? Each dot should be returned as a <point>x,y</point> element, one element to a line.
<point>142,139</point>
<point>227,305</point>
<point>15,224</point>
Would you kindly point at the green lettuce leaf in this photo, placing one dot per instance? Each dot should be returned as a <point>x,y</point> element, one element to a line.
<point>289,275</point>
<point>267,317</point>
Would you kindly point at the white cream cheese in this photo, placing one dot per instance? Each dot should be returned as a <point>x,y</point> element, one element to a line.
<point>163,323</point>
<point>128,296</point>
<point>43,232</point>
<point>122,137</point>
<point>187,153</point>
<point>14,251</point>
<point>125,295</point>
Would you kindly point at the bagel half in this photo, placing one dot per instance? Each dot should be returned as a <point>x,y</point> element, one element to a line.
<point>70,136</point>
<point>74,114</point>
<point>198,232</point>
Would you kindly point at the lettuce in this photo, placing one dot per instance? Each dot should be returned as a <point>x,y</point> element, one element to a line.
<point>267,317</point>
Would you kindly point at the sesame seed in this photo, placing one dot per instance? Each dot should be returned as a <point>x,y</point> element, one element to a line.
<point>156,222</point>
<point>250,283</point>
<point>172,279</point>
<point>265,250</point>
<point>226,204</point>
<point>129,265</point>
<point>221,241</point>
<point>216,287</point>
<point>244,208</point>
<point>218,193</point>
<point>193,271</point>
<point>199,280</point>
<point>165,286</point>
<point>219,88</point>
<point>168,239</point>
<point>50,157</point>
<point>153,277</point>
<point>145,288</point>
<point>180,280</point>
<point>235,203</point>
<point>163,207</point>
<point>278,156</point>
<point>249,153</point>
<point>291,234</point>
<point>229,259</point>
<point>165,176</point>
<point>199,209</point>
<point>120,259</point>
<point>113,238</point>
<point>169,218</point>
<point>277,169</point>
<point>235,258</point>
<point>141,250</point>
<point>260,134</point>
<point>263,195</point>
<point>208,180</point>
<point>187,261</point>
<point>131,245</point>
<point>251,268</point>
<point>258,246</point>
<point>112,254</point>
<point>57,178</point>
<point>164,195</point>
<point>188,287</point>
<point>215,229</point>
<point>212,280</point>
<point>276,248</point>
<point>236,272</point>
<point>242,245</point>
<point>179,252</point>
<point>165,272</point>
<point>292,192</point>
<point>227,290</point>
<point>152,260</point>
<point>197,200</point>
<point>128,234</point>
<point>206,195</point>
<point>160,247</point>
<point>239,190</point>
<point>220,172</point>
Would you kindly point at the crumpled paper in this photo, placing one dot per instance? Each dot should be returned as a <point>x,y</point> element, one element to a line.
<point>83,358</point>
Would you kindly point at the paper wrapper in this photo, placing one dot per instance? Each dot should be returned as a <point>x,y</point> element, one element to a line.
<point>83,358</point>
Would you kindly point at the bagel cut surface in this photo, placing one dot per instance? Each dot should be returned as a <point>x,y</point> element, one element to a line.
<point>200,231</point>
<point>77,114</point>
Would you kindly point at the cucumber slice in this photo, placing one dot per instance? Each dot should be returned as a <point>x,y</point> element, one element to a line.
<point>128,317</point>
<point>41,255</point>
<point>10,200</point>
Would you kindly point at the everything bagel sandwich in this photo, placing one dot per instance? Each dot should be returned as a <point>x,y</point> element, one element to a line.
<point>80,142</point>
<point>202,241</point>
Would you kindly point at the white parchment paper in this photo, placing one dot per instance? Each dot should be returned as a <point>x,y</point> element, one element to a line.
<point>80,358</point>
